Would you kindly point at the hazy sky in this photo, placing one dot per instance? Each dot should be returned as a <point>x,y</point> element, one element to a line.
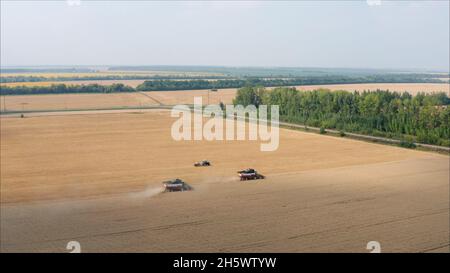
<point>324,34</point>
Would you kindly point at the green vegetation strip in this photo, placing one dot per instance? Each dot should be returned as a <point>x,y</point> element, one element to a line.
<point>423,118</point>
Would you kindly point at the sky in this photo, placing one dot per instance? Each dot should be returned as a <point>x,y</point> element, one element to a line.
<point>351,34</point>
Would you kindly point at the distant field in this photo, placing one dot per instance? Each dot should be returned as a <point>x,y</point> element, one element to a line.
<point>412,88</point>
<point>74,101</point>
<point>444,79</point>
<point>85,101</point>
<point>96,101</point>
<point>109,73</point>
<point>132,83</point>
<point>187,97</point>
<point>227,95</point>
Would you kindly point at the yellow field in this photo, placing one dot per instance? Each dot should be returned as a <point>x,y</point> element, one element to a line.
<point>130,100</point>
<point>187,97</point>
<point>96,178</point>
<point>132,83</point>
<point>74,101</point>
<point>412,88</point>
<point>227,95</point>
<point>114,100</point>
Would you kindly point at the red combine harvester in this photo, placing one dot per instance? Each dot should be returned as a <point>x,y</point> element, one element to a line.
<point>176,185</point>
<point>250,174</point>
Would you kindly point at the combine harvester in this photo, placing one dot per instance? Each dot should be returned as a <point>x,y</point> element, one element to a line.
<point>176,185</point>
<point>250,174</point>
<point>202,163</point>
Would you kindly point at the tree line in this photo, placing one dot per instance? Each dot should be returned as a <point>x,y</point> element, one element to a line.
<point>166,82</point>
<point>162,85</point>
<point>26,78</point>
<point>63,89</point>
<point>422,118</point>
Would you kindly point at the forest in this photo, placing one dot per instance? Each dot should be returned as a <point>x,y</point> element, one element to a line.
<point>422,118</point>
<point>162,85</point>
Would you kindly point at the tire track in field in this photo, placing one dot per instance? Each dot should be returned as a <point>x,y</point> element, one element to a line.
<point>152,98</point>
<point>119,232</point>
<point>362,226</point>
<point>437,248</point>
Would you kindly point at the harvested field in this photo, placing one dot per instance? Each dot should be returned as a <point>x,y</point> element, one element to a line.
<point>88,101</point>
<point>109,73</point>
<point>113,100</point>
<point>96,179</point>
<point>187,96</point>
<point>412,88</point>
<point>74,101</point>
<point>227,95</point>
